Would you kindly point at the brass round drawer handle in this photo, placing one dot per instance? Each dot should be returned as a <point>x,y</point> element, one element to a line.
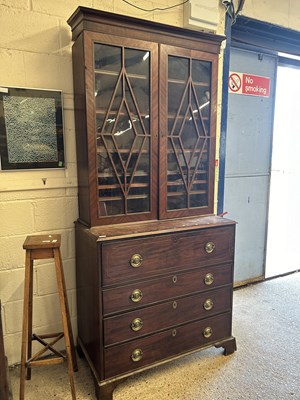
<point>136,324</point>
<point>210,247</point>
<point>136,260</point>
<point>209,279</point>
<point>207,332</point>
<point>136,295</point>
<point>208,304</point>
<point>137,355</point>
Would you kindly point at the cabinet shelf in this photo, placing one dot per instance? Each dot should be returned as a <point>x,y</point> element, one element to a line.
<point>181,117</point>
<point>117,186</point>
<point>183,82</point>
<point>172,173</point>
<point>118,198</point>
<point>122,151</point>
<point>111,175</point>
<point>101,111</point>
<point>180,182</point>
<point>117,73</point>
<point>189,151</point>
<point>183,193</point>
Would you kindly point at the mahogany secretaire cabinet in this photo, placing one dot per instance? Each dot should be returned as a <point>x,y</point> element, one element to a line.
<point>154,265</point>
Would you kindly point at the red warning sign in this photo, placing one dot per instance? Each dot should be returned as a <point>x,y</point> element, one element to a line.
<point>251,85</point>
<point>235,82</point>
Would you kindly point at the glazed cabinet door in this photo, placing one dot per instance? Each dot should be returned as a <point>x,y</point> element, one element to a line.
<point>122,128</point>
<point>187,128</point>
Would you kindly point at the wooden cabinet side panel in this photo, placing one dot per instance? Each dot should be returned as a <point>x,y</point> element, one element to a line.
<point>80,128</point>
<point>89,302</point>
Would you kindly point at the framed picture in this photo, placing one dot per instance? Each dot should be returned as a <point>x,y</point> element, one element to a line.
<point>31,129</point>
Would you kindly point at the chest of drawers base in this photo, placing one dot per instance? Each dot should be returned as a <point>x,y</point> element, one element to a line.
<point>149,294</point>
<point>104,389</point>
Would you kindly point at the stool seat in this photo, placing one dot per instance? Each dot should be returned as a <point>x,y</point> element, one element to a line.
<point>43,247</point>
<point>42,242</point>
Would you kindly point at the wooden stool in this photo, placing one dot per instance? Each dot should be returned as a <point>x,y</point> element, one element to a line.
<point>42,247</point>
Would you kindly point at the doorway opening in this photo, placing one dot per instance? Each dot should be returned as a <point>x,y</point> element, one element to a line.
<point>283,246</point>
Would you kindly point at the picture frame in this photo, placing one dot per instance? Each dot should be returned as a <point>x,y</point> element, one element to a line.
<point>31,129</point>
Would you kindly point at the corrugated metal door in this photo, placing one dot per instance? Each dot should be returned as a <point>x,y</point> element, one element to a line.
<point>247,167</point>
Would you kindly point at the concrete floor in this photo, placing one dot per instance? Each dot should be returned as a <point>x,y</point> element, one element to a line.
<point>266,365</point>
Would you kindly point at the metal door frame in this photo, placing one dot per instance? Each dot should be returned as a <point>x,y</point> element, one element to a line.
<point>255,35</point>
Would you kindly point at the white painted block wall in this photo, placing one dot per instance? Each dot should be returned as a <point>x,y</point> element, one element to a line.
<point>279,12</point>
<point>35,52</point>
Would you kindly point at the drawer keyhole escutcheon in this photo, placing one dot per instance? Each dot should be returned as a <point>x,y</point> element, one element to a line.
<point>174,305</point>
<point>208,279</point>
<point>208,304</point>
<point>207,332</point>
<point>174,332</point>
<point>136,295</point>
<point>174,279</point>
<point>136,260</point>
<point>210,247</point>
<point>136,324</point>
<point>137,355</point>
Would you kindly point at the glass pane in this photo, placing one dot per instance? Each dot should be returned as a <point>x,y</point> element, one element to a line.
<point>139,93</point>
<point>104,88</point>
<point>189,84</point>
<point>203,97</point>
<point>138,205</point>
<point>178,68</point>
<point>201,72</point>
<point>176,202</point>
<point>132,105</point>
<point>123,132</point>
<point>177,91</point>
<point>31,130</point>
<point>198,200</point>
<point>122,127</point>
<point>111,207</point>
<point>189,134</point>
<point>108,58</point>
<point>137,62</point>
<point>197,118</point>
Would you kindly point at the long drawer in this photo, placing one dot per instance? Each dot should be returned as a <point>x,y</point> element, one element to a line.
<point>145,351</point>
<point>136,259</point>
<point>147,320</point>
<point>152,291</point>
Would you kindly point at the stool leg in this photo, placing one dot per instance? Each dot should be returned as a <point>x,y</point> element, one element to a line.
<point>71,356</point>
<point>30,310</point>
<point>26,318</point>
<point>68,319</point>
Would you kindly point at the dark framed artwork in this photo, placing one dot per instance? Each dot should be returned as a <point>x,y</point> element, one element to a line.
<point>31,129</point>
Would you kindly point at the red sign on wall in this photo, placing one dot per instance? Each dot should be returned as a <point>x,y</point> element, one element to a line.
<point>251,85</point>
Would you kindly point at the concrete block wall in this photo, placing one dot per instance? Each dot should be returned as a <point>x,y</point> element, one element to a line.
<point>35,52</point>
<point>284,13</point>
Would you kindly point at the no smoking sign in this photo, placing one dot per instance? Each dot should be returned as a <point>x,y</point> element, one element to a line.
<point>251,85</point>
<point>235,82</point>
